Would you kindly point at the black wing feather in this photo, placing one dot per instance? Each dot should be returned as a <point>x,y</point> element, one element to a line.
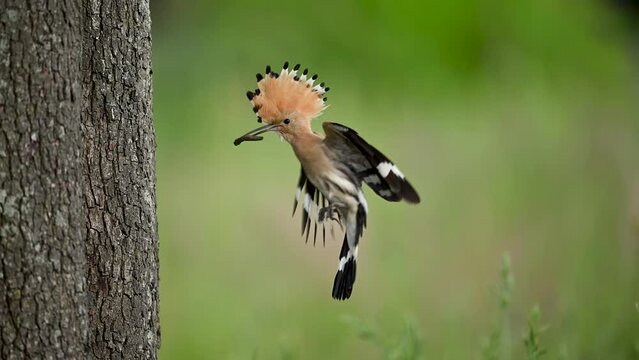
<point>368,162</point>
<point>306,188</point>
<point>300,186</point>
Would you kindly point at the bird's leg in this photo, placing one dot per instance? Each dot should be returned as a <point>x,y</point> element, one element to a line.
<point>328,213</point>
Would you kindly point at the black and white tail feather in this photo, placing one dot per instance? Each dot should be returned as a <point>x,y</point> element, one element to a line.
<point>359,162</point>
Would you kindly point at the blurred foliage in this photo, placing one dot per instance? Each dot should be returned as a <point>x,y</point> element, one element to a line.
<point>498,344</point>
<point>516,121</point>
<point>406,347</point>
<point>534,351</point>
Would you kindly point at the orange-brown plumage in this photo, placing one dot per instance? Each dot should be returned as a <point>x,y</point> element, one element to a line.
<point>287,96</point>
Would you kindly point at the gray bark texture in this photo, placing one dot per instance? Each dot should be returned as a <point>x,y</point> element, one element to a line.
<point>78,231</point>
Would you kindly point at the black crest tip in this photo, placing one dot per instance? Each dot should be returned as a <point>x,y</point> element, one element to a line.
<point>305,72</point>
<point>322,84</point>
<point>259,77</point>
<point>285,65</point>
<point>326,90</point>
<point>296,78</point>
<point>314,77</point>
<point>297,67</point>
<point>250,95</point>
<point>268,69</point>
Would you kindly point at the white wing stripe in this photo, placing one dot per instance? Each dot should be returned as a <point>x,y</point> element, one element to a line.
<point>308,203</point>
<point>362,200</point>
<point>372,179</point>
<point>385,168</point>
<point>386,193</point>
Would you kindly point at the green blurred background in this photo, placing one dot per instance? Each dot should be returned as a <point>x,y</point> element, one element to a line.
<point>517,122</point>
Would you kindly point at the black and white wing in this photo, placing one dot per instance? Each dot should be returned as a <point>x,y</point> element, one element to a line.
<point>370,165</point>
<point>312,200</point>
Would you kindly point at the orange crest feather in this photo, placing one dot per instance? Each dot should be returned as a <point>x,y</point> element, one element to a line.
<point>288,94</point>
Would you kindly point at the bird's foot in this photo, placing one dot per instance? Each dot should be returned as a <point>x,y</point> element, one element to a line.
<point>328,213</point>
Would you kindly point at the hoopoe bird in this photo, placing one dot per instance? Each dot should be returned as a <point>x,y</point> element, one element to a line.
<point>333,166</point>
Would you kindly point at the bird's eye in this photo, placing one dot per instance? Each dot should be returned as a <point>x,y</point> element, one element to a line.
<point>287,121</point>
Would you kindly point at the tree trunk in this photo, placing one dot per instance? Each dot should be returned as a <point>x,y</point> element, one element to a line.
<point>78,229</point>
<point>42,213</point>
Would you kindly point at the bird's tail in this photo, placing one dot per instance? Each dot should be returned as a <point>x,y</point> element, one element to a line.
<point>345,277</point>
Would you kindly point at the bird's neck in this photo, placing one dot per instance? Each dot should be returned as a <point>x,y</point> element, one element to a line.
<point>305,139</point>
<point>308,148</point>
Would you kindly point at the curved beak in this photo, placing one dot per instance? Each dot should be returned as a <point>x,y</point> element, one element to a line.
<point>253,135</point>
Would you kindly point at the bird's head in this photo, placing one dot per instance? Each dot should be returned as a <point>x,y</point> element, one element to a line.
<point>285,103</point>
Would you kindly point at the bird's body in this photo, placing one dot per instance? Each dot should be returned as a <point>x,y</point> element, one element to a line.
<point>340,186</point>
<point>333,166</point>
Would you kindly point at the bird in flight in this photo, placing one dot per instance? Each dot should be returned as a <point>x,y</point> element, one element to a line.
<point>333,166</point>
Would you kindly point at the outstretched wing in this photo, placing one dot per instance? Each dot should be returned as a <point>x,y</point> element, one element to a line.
<point>370,165</point>
<point>312,201</point>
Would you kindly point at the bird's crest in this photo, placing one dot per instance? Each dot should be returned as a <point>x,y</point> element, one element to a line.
<point>291,93</point>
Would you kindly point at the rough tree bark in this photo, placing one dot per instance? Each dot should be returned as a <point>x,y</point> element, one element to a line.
<point>78,230</point>
<point>42,216</point>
